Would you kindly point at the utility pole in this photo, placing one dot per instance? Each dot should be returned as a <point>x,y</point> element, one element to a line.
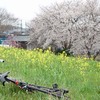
<point>21,27</point>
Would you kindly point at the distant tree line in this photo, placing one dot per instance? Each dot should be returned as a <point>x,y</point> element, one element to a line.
<point>7,21</point>
<point>7,24</point>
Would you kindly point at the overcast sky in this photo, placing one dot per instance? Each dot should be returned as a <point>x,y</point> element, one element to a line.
<point>26,9</point>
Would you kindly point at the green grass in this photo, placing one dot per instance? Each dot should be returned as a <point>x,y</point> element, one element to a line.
<point>79,75</point>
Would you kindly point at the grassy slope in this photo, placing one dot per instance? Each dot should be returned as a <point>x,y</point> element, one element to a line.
<point>80,76</point>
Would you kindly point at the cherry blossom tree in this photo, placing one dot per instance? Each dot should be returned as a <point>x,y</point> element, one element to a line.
<point>73,26</point>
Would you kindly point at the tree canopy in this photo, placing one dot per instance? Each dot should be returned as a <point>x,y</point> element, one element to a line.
<point>70,25</point>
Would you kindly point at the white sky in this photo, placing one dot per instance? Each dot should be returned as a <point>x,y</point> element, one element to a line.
<point>26,9</point>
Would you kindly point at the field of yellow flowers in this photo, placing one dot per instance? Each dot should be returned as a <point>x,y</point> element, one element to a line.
<point>79,75</point>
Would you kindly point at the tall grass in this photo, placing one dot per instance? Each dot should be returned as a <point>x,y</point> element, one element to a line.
<point>79,75</point>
